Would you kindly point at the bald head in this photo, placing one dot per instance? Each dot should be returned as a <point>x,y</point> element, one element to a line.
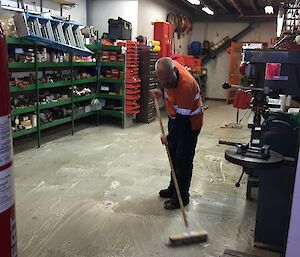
<point>165,69</point>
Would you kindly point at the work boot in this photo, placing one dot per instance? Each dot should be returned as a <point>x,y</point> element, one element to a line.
<point>173,203</point>
<point>166,193</point>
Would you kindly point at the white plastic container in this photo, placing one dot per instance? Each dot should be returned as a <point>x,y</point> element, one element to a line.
<point>282,102</point>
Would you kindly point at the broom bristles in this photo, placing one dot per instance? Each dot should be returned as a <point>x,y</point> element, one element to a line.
<point>192,237</point>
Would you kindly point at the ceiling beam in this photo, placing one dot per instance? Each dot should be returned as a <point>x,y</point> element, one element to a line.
<point>222,6</point>
<point>253,4</point>
<point>234,18</point>
<point>195,8</point>
<point>237,7</point>
<point>184,4</point>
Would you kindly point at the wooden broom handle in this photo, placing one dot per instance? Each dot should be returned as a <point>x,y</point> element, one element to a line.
<point>171,165</point>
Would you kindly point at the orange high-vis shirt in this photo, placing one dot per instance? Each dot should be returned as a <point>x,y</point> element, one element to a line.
<point>185,99</point>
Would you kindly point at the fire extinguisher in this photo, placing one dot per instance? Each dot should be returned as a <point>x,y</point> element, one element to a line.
<point>8,234</point>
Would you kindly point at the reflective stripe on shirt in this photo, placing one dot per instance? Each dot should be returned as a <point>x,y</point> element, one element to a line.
<point>197,111</point>
<point>197,97</point>
<point>187,112</point>
<point>166,94</point>
<point>182,111</point>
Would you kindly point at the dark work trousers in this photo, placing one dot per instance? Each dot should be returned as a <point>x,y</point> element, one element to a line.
<point>182,150</point>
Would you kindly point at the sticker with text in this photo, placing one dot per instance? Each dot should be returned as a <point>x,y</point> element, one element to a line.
<point>7,195</point>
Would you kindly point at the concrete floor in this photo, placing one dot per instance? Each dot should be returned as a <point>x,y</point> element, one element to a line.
<point>94,194</point>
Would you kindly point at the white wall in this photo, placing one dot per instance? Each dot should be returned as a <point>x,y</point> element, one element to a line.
<point>78,12</point>
<point>151,10</point>
<point>141,13</point>
<point>103,10</point>
<point>219,67</point>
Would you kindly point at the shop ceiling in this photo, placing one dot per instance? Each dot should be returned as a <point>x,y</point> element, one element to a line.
<point>231,10</point>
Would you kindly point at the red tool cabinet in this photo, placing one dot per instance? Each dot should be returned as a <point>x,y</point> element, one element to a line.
<point>163,32</point>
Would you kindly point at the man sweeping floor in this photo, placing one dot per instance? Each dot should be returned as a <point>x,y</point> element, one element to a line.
<point>183,102</point>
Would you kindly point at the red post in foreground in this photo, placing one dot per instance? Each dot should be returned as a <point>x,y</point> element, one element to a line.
<point>8,234</point>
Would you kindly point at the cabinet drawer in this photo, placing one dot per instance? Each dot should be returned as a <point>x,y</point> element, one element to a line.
<point>153,86</point>
<point>151,115</point>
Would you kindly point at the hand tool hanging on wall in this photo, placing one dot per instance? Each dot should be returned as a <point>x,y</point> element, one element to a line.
<point>190,237</point>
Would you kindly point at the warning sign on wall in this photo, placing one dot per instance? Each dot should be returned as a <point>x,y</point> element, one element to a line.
<point>5,141</point>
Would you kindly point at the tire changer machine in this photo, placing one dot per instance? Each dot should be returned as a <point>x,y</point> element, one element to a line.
<point>272,152</point>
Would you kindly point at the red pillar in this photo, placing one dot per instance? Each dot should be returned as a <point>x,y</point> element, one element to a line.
<point>8,235</point>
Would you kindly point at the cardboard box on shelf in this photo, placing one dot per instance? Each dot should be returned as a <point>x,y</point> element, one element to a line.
<point>26,123</point>
<point>295,104</point>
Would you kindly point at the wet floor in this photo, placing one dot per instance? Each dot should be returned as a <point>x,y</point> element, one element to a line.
<point>94,194</point>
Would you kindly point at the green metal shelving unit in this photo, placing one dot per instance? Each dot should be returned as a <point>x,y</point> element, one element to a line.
<point>113,64</point>
<point>55,104</point>
<point>85,81</point>
<point>84,64</point>
<point>36,67</point>
<point>24,132</point>
<point>112,113</point>
<point>110,96</point>
<point>19,41</point>
<point>37,86</point>
<point>112,81</point>
<point>31,65</point>
<point>116,82</point>
<point>111,48</point>
<point>55,84</point>
<point>83,115</point>
<point>14,89</point>
<point>85,98</point>
<point>93,48</point>
<point>53,64</point>
<point>55,123</point>
<point>23,110</point>
<point>18,65</point>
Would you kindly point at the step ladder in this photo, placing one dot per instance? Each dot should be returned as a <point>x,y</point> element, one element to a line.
<point>57,34</point>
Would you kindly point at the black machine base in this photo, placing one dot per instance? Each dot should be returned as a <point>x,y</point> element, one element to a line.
<point>233,253</point>
<point>276,182</point>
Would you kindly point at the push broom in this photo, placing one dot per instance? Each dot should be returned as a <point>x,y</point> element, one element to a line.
<point>189,237</point>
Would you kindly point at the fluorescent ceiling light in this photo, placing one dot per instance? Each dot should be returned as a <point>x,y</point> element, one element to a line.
<point>195,2</point>
<point>280,21</point>
<point>208,10</point>
<point>269,9</point>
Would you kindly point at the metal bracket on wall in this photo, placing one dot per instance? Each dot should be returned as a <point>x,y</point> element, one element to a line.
<point>21,3</point>
<point>61,9</point>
